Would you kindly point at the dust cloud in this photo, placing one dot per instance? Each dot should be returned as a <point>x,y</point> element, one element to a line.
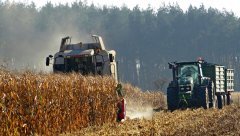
<point>29,38</point>
<point>145,112</point>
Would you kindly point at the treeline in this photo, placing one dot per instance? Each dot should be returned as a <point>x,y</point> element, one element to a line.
<point>144,39</point>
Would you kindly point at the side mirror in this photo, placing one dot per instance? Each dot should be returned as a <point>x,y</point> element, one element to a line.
<point>47,61</point>
<point>111,57</point>
<point>170,65</point>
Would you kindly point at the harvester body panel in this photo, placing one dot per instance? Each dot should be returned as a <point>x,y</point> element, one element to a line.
<point>85,58</point>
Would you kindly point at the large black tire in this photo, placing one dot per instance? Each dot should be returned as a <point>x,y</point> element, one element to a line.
<point>224,99</point>
<point>220,101</point>
<point>172,98</point>
<point>203,97</point>
<point>211,95</point>
<point>229,99</point>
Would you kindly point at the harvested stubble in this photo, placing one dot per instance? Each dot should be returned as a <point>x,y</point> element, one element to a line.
<point>236,98</point>
<point>196,122</point>
<point>47,104</point>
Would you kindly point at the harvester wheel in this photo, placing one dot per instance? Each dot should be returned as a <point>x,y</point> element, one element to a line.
<point>229,99</point>
<point>172,98</point>
<point>204,97</point>
<point>220,101</point>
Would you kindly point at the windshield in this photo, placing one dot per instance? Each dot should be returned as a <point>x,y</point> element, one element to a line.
<point>84,65</point>
<point>188,74</point>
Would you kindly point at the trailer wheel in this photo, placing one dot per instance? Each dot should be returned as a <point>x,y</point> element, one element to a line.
<point>224,100</point>
<point>220,101</point>
<point>204,97</point>
<point>229,99</point>
<point>215,103</point>
<point>172,98</point>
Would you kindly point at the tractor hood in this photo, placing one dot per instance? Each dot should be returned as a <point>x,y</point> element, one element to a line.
<point>185,84</point>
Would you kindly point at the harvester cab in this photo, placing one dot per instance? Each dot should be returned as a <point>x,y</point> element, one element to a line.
<point>199,84</point>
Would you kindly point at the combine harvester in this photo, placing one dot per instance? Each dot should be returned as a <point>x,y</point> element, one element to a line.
<point>88,59</point>
<point>199,84</point>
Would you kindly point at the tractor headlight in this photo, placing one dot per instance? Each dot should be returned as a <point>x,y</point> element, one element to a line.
<point>185,88</point>
<point>188,88</point>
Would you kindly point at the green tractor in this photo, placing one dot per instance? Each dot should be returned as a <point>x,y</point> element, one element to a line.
<point>199,84</point>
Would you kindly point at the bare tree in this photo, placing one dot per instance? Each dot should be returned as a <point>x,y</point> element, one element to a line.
<point>160,83</point>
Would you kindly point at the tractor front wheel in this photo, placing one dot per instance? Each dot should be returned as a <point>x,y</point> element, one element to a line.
<point>172,98</point>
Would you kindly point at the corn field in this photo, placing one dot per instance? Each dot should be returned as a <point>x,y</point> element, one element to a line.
<point>70,104</point>
<point>46,104</point>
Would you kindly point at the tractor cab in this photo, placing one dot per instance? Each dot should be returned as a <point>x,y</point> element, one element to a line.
<point>187,74</point>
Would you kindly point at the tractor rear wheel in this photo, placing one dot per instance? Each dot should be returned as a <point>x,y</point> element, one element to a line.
<point>204,97</point>
<point>211,95</point>
<point>172,98</point>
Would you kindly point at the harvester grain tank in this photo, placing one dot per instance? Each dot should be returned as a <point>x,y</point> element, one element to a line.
<point>199,84</point>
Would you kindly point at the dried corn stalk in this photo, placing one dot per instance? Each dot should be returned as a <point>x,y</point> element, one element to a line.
<point>47,104</point>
